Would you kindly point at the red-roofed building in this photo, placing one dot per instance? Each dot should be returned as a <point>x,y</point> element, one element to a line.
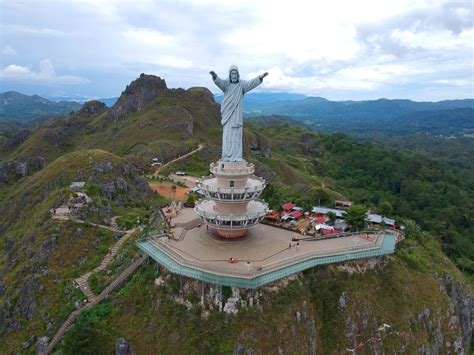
<point>273,215</point>
<point>320,219</point>
<point>287,206</point>
<point>296,214</point>
<point>329,231</point>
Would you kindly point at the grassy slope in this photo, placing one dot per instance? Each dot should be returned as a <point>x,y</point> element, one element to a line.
<point>26,218</point>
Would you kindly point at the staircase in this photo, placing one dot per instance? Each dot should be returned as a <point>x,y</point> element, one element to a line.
<point>104,294</point>
<point>82,280</point>
<point>84,286</point>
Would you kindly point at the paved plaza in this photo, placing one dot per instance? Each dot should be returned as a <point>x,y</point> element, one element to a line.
<point>266,251</point>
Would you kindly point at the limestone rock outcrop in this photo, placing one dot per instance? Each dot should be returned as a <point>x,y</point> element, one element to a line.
<point>139,93</point>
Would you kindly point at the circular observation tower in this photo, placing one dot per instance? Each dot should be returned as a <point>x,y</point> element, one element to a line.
<point>231,203</point>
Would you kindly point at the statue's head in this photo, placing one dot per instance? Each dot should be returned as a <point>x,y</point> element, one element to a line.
<point>234,74</point>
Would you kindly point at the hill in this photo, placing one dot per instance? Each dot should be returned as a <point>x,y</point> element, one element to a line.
<point>159,122</point>
<point>16,106</point>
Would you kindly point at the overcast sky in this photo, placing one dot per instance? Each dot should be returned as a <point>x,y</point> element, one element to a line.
<point>355,49</point>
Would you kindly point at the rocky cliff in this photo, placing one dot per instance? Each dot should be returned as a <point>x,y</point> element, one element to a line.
<point>139,93</point>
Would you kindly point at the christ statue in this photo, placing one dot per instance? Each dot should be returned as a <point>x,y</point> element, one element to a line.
<point>232,110</point>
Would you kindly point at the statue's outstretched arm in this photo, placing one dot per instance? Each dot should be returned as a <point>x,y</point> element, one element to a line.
<point>221,84</point>
<point>252,84</point>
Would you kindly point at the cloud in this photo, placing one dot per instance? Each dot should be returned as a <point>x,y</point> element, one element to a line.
<point>45,75</point>
<point>8,50</point>
<point>368,48</point>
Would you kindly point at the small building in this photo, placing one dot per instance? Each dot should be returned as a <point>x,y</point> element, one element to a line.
<point>288,207</point>
<point>296,214</point>
<point>320,211</point>
<point>320,219</point>
<point>343,203</point>
<point>272,215</point>
<point>378,219</point>
<point>328,231</point>
<point>340,224</point>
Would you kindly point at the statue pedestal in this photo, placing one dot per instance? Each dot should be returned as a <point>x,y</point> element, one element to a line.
<point>231,205</point>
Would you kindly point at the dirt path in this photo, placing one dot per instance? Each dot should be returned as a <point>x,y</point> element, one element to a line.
<point>157,172</point>
<point>167,190</point>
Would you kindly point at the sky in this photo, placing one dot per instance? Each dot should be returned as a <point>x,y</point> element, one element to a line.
<point>364,49</point>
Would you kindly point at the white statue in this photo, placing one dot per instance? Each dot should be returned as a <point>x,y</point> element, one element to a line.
<point>232,111</point>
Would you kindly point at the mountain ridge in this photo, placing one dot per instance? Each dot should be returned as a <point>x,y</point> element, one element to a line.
<point>17,106</point>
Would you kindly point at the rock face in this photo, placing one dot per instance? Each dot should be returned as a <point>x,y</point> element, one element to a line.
<point>18,138</point>
<point>461,308</point>
<point>93,107</point>
<point>138,94</point>
<point>12,170</point>
<point>35,164</point>
<point>27,301</point>
<point>257,144</point>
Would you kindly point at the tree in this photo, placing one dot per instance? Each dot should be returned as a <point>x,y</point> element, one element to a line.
<point>321,196</point>
<point>332,218</point>
<point>355,217</point>
<point>385,208</point>
<point>190,201</point>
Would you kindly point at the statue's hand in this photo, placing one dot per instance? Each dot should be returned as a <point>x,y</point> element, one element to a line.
<point>213,74</point>
<point>263,75</point>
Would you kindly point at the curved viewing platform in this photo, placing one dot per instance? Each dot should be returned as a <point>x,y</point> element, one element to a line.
<point>212,190</point>
<point>265,255</point>
<point>256,211</point>
<point>231,168</point>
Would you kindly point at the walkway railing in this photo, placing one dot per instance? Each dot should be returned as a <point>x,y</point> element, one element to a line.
<point>265,268</point>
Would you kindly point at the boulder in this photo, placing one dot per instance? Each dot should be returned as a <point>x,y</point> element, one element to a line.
<point>123,347</point>
<point>9,244</point>
<point>42,344</point>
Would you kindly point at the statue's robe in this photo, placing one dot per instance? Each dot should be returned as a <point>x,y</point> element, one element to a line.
<point>233,115</point>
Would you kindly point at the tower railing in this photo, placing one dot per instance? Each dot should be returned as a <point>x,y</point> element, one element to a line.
<point>216,168</point>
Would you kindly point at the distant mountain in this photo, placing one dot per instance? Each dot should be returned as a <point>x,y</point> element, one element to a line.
<point>109,101</point>
<point>16,106</point>
<point>253,101</point>
<point>314,108</point>
<point>364,119</point>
